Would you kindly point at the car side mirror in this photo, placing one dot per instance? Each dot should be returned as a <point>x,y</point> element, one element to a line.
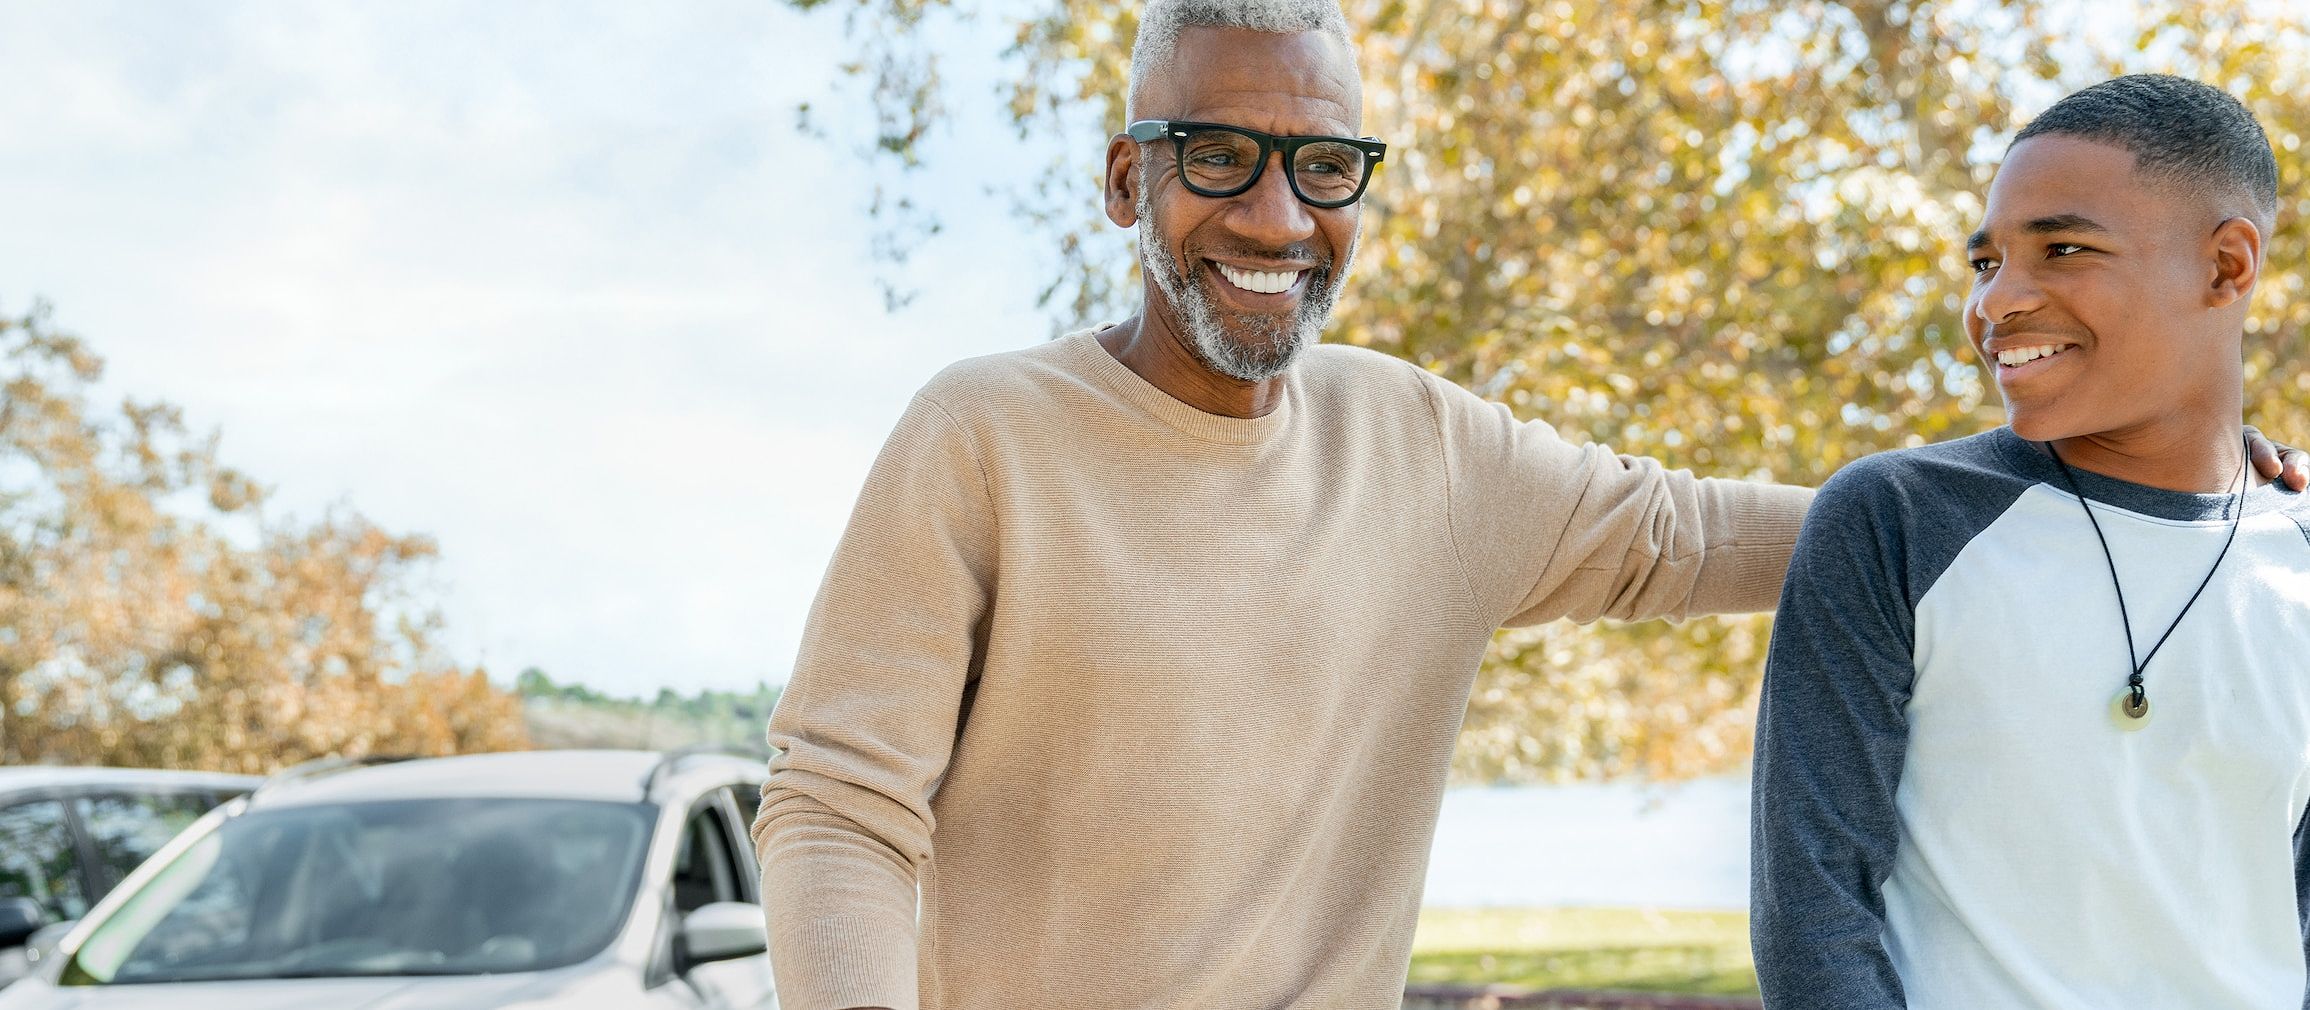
<point>22,917</point>
<point>42,943</point>
<point>722,931</point>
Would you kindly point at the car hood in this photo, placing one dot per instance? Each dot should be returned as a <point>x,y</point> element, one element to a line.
<point>463,992</point>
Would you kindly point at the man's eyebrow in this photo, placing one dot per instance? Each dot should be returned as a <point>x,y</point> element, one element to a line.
<point>2044,226</point>
<point>2064,222</point>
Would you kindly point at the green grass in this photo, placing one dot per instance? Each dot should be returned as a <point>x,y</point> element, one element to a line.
<point>1586,948</point>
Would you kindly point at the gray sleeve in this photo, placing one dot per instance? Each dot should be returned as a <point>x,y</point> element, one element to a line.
<point>1831,736</point>
<point>2302,891</point>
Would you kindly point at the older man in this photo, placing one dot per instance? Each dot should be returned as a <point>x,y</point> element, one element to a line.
<point>1141,660</point>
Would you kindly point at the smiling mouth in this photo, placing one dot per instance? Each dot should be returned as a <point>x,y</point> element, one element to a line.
<point>2015,357</point>
<point>1262,282</point>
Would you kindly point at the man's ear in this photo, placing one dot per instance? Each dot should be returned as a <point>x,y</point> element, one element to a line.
<point>2237,261</point>
<point>1123,181</point>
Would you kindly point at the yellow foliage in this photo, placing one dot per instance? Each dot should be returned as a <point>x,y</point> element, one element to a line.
<point>1724,233</point>
<point>151,615</point>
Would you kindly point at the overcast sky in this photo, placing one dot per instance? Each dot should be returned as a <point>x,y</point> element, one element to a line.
<point>556,283</point>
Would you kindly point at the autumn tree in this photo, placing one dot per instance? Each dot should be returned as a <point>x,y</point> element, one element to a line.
<point>152,613</point>
<point>1725,234</point>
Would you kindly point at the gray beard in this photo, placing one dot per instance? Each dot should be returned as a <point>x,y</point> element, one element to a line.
<point>1247,346</point>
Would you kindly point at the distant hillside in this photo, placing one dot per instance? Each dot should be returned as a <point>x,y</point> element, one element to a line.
<point>562,716</point>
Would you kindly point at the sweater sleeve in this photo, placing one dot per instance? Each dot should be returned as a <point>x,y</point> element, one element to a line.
<point>867,723</point>
<point>1832,735</point>
<point>1546,529</point>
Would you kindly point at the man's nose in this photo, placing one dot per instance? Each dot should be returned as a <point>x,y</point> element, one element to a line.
<point>2007,294</point>
<point>1269,213</point>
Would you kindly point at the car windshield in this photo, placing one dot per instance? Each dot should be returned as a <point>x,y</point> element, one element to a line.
<point>399,887</point>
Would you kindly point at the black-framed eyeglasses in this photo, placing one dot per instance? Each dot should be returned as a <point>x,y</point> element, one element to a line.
<point>1216,159</point>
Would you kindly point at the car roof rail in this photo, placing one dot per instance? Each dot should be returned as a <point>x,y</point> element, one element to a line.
<point>673,758</point>
<point>320,767</point>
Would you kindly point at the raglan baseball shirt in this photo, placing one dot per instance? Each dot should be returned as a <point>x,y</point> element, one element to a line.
<point>1949,813</point>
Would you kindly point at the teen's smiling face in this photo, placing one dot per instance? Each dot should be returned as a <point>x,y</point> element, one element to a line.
<point>2091,293</point>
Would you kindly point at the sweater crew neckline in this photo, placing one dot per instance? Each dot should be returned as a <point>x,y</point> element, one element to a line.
<point>1084,346</point>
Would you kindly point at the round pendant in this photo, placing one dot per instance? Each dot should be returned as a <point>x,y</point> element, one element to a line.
<point>2128,713</point>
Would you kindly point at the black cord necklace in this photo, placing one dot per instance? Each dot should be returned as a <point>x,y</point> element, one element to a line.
<point>2134,702</point>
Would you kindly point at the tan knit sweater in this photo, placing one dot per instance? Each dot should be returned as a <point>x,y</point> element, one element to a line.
<point>1154,706</point>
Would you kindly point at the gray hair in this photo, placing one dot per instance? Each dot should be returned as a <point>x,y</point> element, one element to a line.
<point>1162,21</point>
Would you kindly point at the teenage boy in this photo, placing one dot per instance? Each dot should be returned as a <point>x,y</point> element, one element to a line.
<point>2016,748</point>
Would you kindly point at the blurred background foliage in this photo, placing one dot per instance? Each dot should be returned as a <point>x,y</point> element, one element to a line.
<point>1725,234</point>
<point>573,715</point>
<point>152,613</point>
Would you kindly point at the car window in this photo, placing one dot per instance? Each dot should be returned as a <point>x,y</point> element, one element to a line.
<point>127,828</point>
<point>385,887</point>
<point>748,798</point>
<point>703,870</point>
<point>37,859</point>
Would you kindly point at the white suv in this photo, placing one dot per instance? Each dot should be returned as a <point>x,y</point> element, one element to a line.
<point>539,880</point>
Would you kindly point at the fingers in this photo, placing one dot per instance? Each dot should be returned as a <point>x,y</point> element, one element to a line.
<point>2262,452</point>
<point>2278,462</point>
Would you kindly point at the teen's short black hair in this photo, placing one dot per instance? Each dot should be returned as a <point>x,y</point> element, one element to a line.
<point>2180,131</point>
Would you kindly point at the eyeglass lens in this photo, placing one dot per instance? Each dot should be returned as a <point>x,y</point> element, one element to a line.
<point>1223,162</point>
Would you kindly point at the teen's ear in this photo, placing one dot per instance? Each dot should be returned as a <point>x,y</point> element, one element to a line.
<point>2237,261</point>
<point>1122,181</point>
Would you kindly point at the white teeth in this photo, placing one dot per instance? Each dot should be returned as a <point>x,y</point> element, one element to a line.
<point>2012,356</point>
<point>1259,281</point>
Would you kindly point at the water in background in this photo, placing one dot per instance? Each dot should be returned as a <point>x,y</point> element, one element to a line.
<point>1681,846</point>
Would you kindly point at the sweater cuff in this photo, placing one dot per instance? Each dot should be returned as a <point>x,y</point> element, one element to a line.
<point>842,963</point>
<point>1764,535</point>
